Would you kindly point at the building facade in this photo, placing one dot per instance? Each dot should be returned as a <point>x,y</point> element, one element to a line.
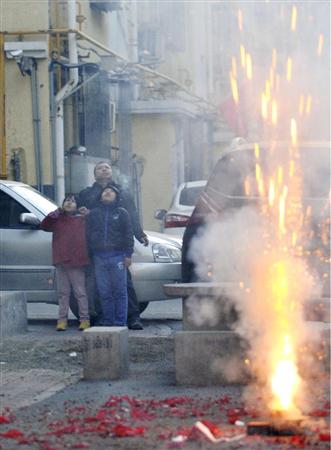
<point>130,82</point>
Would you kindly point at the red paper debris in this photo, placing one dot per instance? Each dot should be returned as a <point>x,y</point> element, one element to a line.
<point>12,434</point>
<point>325,437</point>
<point>234,415</point>
<point>125,431</point>
<point>216,431</point>
<point>81,445</point>
<point>319,413</point>
<point>4,419</point>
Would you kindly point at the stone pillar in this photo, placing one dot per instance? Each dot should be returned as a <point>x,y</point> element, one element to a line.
<point>13,313</point>
<point>105,353</point>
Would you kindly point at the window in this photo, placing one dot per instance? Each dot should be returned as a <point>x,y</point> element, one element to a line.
<point>149,44</point>
<point>10,211</point>
<point>189,196</point>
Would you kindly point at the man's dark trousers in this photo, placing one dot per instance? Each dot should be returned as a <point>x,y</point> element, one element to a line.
<point>133,304</point>
<point>94,300</point>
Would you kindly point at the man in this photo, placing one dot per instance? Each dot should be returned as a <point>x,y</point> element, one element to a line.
<point>89,198</point>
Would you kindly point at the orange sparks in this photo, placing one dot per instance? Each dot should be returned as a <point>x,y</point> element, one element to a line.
<point>234,88</point>
<point>249,66</point>
<point>308,104</point>
<point>294,132</point>
<point>285,380</point>
<point>280,175</point>
<point>240,20</point>
<point>301,104</point>
<point>242,56</point>
<point>294,18</point>
<point>282,209</point>
<point>234,66</point>
<point>264,106</point>
<point>259,179</point>
<point>271,193</point>
<point>257,172</point>
<point>267,89</point>
<point>274,112</point>
<point>291,172</point>
<point>289,69</point>
<point>320,44</point>
<point>257,150</point>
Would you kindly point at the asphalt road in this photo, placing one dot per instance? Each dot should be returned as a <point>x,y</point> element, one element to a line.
<point>52,408</point>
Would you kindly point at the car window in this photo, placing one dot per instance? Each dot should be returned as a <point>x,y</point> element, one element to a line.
<point>189,195</point>
<point>10,212</point>
<point>35,198</point>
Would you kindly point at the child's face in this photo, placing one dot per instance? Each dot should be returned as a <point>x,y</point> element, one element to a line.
<point>69,205</point>
<point>108,196</point>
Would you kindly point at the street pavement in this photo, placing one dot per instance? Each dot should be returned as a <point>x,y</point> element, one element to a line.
<point>41,362</point>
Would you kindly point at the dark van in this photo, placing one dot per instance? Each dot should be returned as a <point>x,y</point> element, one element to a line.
<point>225,191</point>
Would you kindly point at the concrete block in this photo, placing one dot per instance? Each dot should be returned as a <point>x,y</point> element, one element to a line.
<point>208,313</point>
<point>13,313</point>
<point>204,358</point>
<point>105,353</point>
<point>206,306</point>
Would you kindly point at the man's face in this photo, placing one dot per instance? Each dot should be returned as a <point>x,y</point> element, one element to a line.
<point>102,172</point>
<point>108,196</point>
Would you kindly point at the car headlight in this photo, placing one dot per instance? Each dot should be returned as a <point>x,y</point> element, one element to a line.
<point>166,253</point>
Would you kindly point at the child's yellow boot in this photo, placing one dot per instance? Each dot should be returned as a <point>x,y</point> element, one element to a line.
<point>84,325</point>
<point>61,325</point>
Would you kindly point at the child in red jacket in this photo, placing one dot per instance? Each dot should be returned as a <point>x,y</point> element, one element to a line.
<point>70,257</point>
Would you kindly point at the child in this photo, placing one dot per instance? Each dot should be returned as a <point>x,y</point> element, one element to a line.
<point>70,258</point>
<point>110,240</point>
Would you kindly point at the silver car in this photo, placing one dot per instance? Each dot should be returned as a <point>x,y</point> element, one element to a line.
<point>26,251</point>
<point>175,219</point>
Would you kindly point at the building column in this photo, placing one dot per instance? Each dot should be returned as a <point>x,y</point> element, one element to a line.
<point>125,129</point>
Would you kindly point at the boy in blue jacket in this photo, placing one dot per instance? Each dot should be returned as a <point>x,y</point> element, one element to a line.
<point>110,241</point>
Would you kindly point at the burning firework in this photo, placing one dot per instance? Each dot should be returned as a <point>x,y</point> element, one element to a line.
<point>272,248</point>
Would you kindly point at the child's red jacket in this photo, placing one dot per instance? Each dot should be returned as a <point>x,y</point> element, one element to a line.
<point>69,241</point>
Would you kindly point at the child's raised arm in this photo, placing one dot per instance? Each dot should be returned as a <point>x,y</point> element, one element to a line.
<point>50,220</point>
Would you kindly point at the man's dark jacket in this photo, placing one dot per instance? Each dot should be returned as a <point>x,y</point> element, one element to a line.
<point>108,228</point>
<point>90,197</point>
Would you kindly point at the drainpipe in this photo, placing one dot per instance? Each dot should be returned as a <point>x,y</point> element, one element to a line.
<point>36,123</point>
<point>53,129</point>
<point>3,154</point>
<point>64,92</point>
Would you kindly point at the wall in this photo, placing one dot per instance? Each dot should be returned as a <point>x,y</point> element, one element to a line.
<point>22,16</point>
<point>154,139</point>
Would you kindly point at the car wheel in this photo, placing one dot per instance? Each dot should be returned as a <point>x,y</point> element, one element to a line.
<point>143,306</point>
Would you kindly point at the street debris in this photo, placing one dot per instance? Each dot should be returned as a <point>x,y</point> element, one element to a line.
<point>173,422</point>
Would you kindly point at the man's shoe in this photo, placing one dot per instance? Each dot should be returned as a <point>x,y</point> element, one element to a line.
<point>96,321</point>
<point>135,325</point>
<point>84,325</point>
<point>61,325</point>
